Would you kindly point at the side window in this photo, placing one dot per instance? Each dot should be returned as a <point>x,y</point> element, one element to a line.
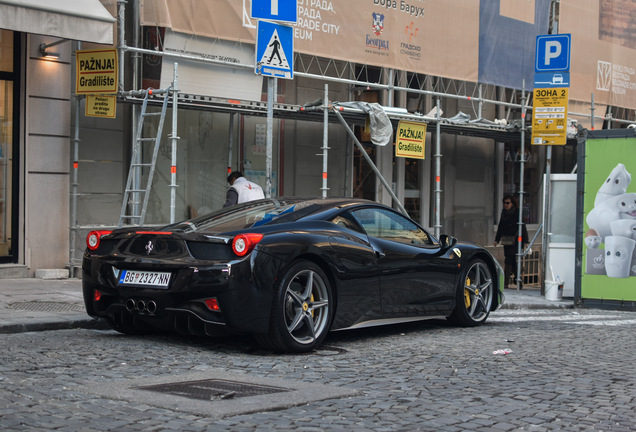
<point>387,225</point>
<point>347,221</point>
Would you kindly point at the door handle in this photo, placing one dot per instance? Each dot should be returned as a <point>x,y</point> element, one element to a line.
<point>379,254</point>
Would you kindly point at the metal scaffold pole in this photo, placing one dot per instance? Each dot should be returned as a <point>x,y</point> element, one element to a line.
<point>75,141</point>
<point>325,141</point>
<point>121,41</point>
<point>229,145</point>
<point>438,173</point>
<point>521,192</point>
<point>173,140</point>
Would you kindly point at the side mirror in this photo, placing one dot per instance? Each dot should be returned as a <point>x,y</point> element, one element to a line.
<point>447,241</point>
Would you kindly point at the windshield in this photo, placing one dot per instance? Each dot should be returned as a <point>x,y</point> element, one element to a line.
<point>251,214</point>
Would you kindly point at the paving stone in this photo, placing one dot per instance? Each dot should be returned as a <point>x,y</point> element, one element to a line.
<point>420,376</point>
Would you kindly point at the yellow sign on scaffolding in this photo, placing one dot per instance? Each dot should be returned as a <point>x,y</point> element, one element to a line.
<point>101,106</point>
<point>96,71</point>
<point>550,116</point>
<point>411,140</point>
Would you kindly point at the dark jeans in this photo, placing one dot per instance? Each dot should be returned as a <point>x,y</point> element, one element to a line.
<point>510,261</point>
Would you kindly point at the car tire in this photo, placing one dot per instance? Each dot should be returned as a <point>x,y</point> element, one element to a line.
<point>474,295</point>
<point>302,310</point>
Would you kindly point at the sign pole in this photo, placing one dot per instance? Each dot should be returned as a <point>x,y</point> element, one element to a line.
<point>270,131</point>
<point>546,215</point>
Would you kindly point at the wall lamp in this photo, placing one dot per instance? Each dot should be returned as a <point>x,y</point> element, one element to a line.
<point>50,55</point>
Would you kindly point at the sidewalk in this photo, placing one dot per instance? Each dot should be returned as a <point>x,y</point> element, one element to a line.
<point>37,304</point>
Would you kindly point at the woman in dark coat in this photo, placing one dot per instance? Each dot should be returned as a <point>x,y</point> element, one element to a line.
<point>508,230</point>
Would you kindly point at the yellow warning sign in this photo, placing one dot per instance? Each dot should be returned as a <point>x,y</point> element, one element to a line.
<point>101,106</point>
<point>96,71</point>
<point>550,116</point>
<point>410,142</point>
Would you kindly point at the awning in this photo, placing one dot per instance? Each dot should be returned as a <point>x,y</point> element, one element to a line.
<point>81,20</point>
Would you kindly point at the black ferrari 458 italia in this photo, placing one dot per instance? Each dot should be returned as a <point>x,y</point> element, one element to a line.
<point>286,270</point>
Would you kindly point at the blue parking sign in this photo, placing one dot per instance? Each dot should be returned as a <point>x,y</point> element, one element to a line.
<point>553,53</point>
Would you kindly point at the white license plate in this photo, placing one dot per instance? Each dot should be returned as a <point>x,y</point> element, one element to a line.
<point>156,279</point>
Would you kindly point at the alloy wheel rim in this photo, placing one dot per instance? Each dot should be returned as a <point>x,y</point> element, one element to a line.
<point>478,292</point>
<point>306,307</point>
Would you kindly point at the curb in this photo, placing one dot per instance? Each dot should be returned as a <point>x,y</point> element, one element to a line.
<point>44,324</point>
<point>508,306</point>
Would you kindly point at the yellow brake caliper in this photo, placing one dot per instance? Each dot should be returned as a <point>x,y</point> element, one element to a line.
<point>467,294</point>
<point>312,300</point>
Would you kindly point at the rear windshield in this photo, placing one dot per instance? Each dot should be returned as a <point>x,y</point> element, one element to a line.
<point>249,215</point>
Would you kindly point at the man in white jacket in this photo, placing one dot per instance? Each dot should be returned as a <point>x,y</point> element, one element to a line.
<point>242,190</point>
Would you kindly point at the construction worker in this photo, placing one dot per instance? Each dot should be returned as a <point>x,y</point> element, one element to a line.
<point>242,190</point>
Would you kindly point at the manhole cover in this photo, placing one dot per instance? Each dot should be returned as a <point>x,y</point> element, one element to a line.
<point>40,306</point>
<point>214,392</point>
<point>213,389</point>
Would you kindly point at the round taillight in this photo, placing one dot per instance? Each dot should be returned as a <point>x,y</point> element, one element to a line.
<point>244,243</point>
<point>94,237</point>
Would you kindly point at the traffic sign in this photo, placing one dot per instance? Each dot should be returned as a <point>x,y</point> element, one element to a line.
<point>411,140</point>
<point>100,106</point>
<point>551,79</point>
<point>552,53</point>
<point>274,50</point>
<point>96,71</point>
<point>549,116</point>
<point>275,10</point>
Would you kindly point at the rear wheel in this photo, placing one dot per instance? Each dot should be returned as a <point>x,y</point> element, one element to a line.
<point>474,295</point>
<point>302,310</point>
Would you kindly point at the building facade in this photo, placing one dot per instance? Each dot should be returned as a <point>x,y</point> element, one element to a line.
<point>54,194</point>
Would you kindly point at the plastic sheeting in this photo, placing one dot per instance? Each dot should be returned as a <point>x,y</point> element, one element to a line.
<point>381,127</point>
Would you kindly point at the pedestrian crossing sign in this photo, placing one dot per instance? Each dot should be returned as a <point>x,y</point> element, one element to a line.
<point>274,50</point>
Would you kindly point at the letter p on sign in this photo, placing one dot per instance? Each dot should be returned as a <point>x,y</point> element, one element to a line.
<point>553,53</point>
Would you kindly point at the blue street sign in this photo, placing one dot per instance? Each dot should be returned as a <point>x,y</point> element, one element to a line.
<point>551,79</point>
<point>552,53</point>
<point>274,50</point>
<point>275,10</point>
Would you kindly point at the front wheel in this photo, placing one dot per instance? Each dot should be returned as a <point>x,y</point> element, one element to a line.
<point>302,310</point>
<point>474,295</point>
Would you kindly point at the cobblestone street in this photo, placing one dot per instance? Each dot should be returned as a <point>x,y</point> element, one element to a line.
<point>568,370</point>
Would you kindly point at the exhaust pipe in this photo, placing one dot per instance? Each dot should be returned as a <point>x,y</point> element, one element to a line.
<point>130,305</point>
<point>141,306</point>
<point>152,307</point>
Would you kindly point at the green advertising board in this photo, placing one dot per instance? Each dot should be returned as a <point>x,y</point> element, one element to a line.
<point>609,226</point>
